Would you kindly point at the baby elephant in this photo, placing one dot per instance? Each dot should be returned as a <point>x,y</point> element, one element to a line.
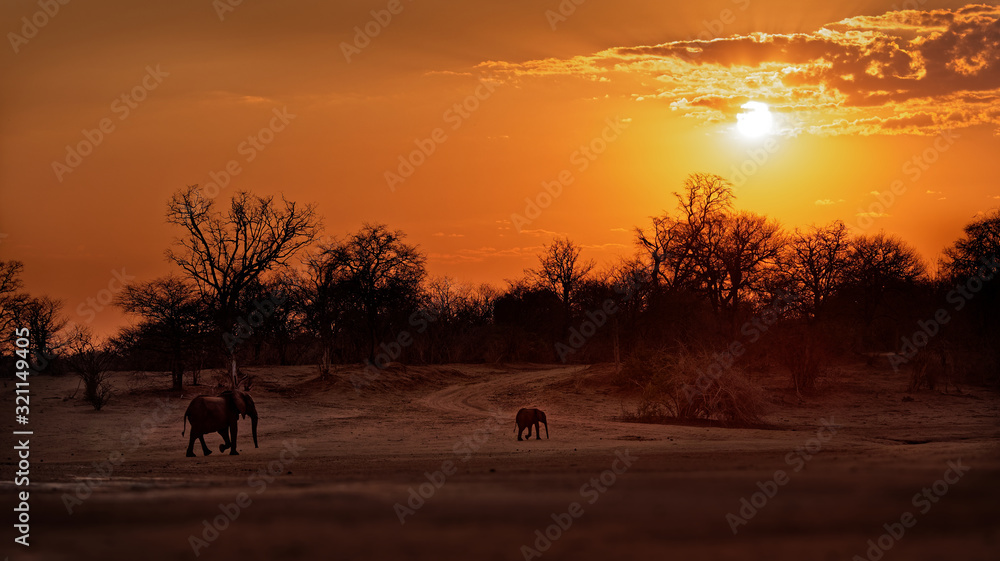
<point>528,417</point>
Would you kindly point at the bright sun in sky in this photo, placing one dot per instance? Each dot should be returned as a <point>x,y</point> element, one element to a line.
<point>756,121</point>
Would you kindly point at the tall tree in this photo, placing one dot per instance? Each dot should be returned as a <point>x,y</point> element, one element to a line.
<point>979,246</point>
<point>173,324</point>
<point>317,293</point>
<point>683,247</point>
<point>11,300</point>
<point>43,316</point>
<point>748,251</point>
<point>561,270</point>
<point>379,271</point>
<point>816,264</point>
<point>976,256</point>
<point>878,264</point>
<point>226,254</point>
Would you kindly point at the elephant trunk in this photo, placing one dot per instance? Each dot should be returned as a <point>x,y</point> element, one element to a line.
<point>546,428</point>
<point>253,428</point>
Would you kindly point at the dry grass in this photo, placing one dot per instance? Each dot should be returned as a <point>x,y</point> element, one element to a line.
<point>689,386</point>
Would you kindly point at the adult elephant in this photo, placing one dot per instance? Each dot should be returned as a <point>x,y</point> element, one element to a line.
<point>219,414</point>
<point>528,417</point>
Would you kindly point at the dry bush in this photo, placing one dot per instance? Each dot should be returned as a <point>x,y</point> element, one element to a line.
<point>691,386</point>
<point>92,364</point>
<point>932,367</point>
<point>802,352</point>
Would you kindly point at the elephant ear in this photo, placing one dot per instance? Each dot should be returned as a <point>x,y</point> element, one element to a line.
<point>239,402</point>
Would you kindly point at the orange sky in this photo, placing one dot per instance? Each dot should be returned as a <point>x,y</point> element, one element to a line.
<point>857,92</point>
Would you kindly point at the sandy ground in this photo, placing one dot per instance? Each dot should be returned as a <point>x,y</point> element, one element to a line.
<point>340,461</point>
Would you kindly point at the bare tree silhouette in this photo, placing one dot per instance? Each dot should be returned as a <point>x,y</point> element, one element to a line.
<point>561,270</point>
<point>373,272</point>
<point>173,323</point>
<point>92,363</point>
<point>43,316</point>
<point>877,265</point>
<point>979,246</point>
<point>11,300</point>
<point>815,264</point>
<point>225,254</point>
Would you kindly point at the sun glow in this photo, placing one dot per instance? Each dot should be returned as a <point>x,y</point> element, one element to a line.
<point>756,121</point>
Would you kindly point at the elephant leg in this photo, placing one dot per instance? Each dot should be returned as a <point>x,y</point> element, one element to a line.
<point>538,431</point>
<point>204,447</point>
<point>232,449</point>
<point>529,432</point>
<point>225,440</point>
<point>520,429</point>
<point>190,450</point>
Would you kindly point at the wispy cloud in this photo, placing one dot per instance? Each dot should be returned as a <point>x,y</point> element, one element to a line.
<point>540,232</point>
<point>828,202</point>
<point>485,253</point>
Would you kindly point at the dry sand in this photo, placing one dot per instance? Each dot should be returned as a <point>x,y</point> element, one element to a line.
<point>343,458</point>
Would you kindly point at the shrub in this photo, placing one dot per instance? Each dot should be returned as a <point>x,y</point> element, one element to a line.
<point>692,385</point>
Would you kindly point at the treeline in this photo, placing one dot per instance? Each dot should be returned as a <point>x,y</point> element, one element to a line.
<point>255,284</point>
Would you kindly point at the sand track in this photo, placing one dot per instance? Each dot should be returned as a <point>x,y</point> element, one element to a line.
<point>365,452</point>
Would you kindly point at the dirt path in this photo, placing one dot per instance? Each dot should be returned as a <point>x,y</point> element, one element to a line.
<point>364,453</point>
<point>481,396</point>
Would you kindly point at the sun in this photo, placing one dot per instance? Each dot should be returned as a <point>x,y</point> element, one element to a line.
<point>756,121</point>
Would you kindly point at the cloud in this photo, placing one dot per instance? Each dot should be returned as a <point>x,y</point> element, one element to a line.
<point>903,72</point>
<point>603,246</point>
<point>485,253</point>
<point>541,232</point>
<point>828,202</point>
